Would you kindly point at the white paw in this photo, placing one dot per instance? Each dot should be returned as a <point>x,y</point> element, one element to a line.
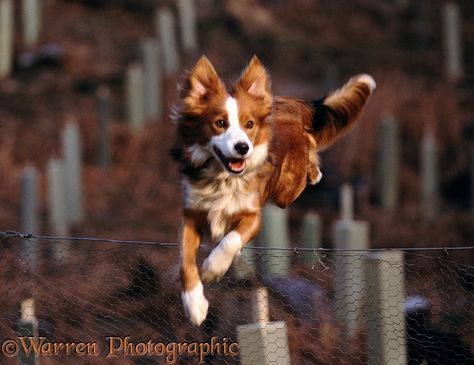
<point>221,257</point>
<point>368,80</point>
<point>320,176</point>
<point>195,304</point>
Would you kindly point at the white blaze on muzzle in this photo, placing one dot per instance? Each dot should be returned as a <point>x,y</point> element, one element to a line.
<point>224,144</point>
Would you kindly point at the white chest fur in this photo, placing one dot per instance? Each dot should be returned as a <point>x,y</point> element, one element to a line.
<point>221,198</point>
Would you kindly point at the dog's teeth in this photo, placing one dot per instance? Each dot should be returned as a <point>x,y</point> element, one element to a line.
<point>236,166</point>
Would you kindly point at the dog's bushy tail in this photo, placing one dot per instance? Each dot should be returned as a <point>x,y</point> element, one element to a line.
<point>336,112</point>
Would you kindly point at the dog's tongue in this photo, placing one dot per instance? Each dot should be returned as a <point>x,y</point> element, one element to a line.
<point>236,165</point>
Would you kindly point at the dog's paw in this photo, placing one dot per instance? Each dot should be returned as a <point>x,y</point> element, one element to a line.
<point>221,257</point>
<point>195,304</point>
<point>313,179</point>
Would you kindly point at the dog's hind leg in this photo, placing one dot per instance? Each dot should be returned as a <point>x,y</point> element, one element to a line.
<point>221,257</point>
<point>194,302</point>
<point>314,173</point>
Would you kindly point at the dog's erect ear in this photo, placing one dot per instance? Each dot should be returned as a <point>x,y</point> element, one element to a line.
<point>202,81</point>
<point>255,80</point>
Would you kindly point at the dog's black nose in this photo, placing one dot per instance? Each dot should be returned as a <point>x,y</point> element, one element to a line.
<point>242,148</point>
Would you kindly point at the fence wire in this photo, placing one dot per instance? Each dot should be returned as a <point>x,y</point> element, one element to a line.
<point>103,303</point>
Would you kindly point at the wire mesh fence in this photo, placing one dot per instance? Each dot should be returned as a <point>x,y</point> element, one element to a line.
<point>105,303</point>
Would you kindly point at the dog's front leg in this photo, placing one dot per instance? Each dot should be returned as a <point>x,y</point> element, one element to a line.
<point>194,302</point>
<point>221,257</point>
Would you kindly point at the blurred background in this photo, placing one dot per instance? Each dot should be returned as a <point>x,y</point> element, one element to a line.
<point>79,62</point>
<point>86,89</point>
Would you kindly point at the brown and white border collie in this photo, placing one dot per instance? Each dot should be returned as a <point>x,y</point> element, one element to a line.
<point>240,147</point>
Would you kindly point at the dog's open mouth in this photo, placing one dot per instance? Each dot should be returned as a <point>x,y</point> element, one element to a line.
<point>234,165</point>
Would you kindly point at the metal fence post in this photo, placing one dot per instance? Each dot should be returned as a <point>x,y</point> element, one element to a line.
<point>388,163</point>
<point>57,208</point>
<point>28,327</point>
<point>263,342</point>
<point>6,37</point>
<point>348,280</point>
<point>452,40</point>
<point>29,214</point>
<point>32,12</point>
<point>384,308</point>
<point>429,177</point>
<point>165,29</point>
<point>134,97</point>
<point>346,202</point>
<point>311,234</point>
<point>152,79</point>
<point>72,154</point>
<point>187,22</point>
<point>274,234</point>
<point>103,111</point>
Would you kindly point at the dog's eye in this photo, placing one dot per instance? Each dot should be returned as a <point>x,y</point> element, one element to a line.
<point>249,124</point>
<point>221,123</point>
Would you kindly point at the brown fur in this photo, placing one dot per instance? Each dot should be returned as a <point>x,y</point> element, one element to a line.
<point>293,129</point>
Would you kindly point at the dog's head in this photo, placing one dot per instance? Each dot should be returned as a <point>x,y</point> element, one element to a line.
<point>229,126</point>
